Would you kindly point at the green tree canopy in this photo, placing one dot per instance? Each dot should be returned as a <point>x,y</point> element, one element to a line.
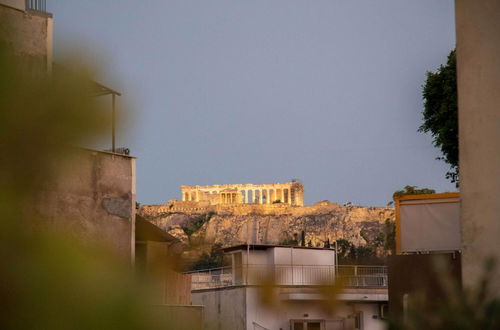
<point>440,114</point>
<point>412,190</point>
<point>214,259</point>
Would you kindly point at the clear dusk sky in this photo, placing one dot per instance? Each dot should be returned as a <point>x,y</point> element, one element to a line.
<point>254,91</point>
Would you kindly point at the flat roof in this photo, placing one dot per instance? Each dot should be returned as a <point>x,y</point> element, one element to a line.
<point>106,152</point>
<point>147,231</point>
<point>269,246</point>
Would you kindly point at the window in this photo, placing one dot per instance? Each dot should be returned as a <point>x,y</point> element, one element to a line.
<point>313,325</point>
<point>307,324</point>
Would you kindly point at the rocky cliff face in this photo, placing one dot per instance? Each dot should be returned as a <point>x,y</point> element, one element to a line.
<point>269,224</point>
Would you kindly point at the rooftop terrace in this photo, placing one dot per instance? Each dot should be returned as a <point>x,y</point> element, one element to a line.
<point>351,276</point>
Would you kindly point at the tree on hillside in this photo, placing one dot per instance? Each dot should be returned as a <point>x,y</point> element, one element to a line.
<point>390,236</point>
<point>440,114</point>
<point>214,259</point>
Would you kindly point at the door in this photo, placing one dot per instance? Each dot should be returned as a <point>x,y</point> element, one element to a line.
<point>307,324</point>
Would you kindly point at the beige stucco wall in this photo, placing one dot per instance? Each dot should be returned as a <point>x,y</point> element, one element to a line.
<point>155,261</point>
<point>93,198</point>
<point>478,60</point>
<point>28,34</point>
<point>19,4</point>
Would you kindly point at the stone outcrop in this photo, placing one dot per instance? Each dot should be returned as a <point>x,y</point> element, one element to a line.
<point>268,224</point>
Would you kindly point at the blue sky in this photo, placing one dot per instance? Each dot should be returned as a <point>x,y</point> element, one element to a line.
<point>240,91</point>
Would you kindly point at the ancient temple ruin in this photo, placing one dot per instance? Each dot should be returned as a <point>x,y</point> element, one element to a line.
<point>291,193</point>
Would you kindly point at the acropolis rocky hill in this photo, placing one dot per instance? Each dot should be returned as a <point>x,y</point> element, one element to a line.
<point>230,221</point>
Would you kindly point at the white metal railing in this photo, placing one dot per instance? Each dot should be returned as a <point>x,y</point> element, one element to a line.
<point>211,278</point>
<point>36,5</point>
<point>363,276</point>
<point>351,276</point>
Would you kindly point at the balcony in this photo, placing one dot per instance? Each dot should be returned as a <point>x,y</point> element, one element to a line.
<point>355,276</point>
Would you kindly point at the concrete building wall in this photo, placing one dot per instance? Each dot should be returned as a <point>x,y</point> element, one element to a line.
<point>18,4</point>
<point>93,198</point>
<point>154,261</point>
<point>28,34</point>
<point>224,308</point>
<point>178,317</point>
<point>478,64</point>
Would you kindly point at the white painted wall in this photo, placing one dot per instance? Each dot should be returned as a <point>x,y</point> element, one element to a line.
<point>278,317</point>
<point>298,256</point>
<point>257,257</point>
<point>369,312</point>
<point>288,256</point>
<point>286,266</point>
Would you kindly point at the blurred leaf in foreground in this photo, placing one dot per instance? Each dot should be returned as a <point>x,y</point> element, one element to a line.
<point>48,281</point>
<point>464,309</point>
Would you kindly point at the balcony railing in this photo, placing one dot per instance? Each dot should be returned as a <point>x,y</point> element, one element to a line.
<point>308,275</point>
<point>36,5</point>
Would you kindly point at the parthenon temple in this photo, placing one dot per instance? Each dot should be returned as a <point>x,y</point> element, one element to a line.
<point>291,193</point>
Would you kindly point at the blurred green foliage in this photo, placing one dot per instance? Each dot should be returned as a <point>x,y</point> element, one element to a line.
<point>213,259</point>
<point>48,281</point>
<point>464,309</point>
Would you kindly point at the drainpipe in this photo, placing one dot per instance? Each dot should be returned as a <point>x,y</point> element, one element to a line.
<point>248,255</point>
<point>113,146</point>
<point>336,259</point>
<point>248,258</point>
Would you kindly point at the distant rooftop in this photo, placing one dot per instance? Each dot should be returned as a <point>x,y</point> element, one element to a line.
<point>268,246</point>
